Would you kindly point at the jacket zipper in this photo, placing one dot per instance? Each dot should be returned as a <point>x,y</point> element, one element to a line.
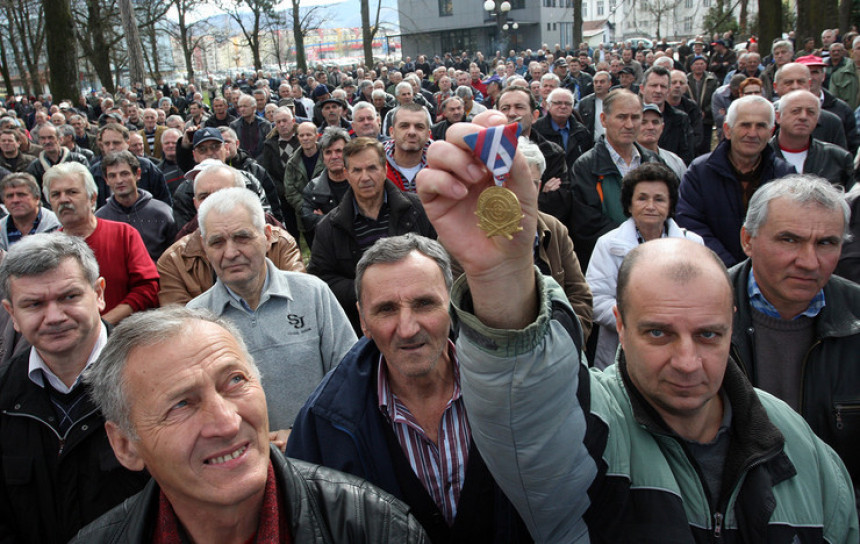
<point>718,525</point>
<point>803,375</point>
<point>60,438</point>
<point>840,408</point>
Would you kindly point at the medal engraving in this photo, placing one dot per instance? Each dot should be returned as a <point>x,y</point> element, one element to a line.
<point>499,212</point>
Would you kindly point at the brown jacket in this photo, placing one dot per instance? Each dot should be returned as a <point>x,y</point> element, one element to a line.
<point>555,249</point>
<point>186,273</point>
<point>155,153</point>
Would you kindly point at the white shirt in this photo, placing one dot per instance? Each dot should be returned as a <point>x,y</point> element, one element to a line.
<point>796,159</point>
<point>37,364</point>
<point>598,126</point>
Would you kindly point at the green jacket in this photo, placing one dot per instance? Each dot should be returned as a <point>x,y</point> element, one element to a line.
<point>844,84</point>
<point>296,178</point>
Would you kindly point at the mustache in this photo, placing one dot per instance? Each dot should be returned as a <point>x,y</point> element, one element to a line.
<point>66,206</point>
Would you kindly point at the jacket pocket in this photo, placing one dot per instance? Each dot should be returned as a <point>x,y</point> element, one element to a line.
<point>17,469</point>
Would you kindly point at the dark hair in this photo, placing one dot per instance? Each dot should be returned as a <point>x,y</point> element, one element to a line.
<point>120,157</point>
<point>650,171</point>
<point>357,145</point>
<point>533,105</point>
<point>659,70</point>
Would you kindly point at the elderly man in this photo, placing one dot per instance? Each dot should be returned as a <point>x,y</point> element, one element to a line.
<point>52,152</point>
<point>324,192</point>
<point>23,200</point>
<point>114,137</point>
<point>58,472</point>
<point>701,86</point>
<point>389,414</point>
<point>830,103</point>
<point>793,314</point>
<point>591,106</point>
<point>173,174</point>
<point>11,157</point>
<point>406,151</point>
<point>152,218</point>
<point>597,173</point>
<point>372,208</point>
<point>716,189</point>
<point>365,122</point>
<point>279,146</point>
<point>183,400</point>
<point>220,116</point>
<point>292,323</point>
<point>250,128</point>
<point>130,275</point>
<point>452,109</point>
<point>185,272</point>
<point>151,134</point>
<point>673,431</point>
<point>794,76</point>
<point>844,82</point>
<point>561,127</point>
<point>797,117</point>
<point>649,138</point>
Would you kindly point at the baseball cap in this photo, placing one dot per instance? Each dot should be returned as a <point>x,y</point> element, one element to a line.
<point>811,60</point>
<point>699,57</point>
<point>627,70</point>
<point>208,134</point>
<point>319,90</point>
<point>337,101</point>
<point>651,107</point>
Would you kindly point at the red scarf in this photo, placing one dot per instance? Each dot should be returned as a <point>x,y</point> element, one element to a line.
<point>271,529</point>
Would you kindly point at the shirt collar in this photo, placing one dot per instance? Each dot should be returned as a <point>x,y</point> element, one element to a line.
<point>762,305</point>
<point>39,370</point>
<point>241,301</point>
<point>556,127</point>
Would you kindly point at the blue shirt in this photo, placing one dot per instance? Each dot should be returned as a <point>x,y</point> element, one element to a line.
<point>762,305</point>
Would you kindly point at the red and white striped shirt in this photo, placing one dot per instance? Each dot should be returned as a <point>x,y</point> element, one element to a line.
<point>440,467</point>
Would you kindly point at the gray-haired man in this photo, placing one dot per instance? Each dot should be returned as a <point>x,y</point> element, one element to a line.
<point>57,471</point>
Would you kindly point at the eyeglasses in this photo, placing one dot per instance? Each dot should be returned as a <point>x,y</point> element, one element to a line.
<point>750,93</point>
<point>564,104</point>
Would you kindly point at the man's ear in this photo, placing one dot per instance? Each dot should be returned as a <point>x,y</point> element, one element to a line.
<point>746,241</point>
<point>124,447</point>
<point>619,324</point>
<point>361,320</point>
<point>8,307</point>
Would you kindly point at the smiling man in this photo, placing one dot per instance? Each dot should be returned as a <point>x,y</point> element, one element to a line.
<point>392,412</point>
<point>717,187</point>
<point>183,399</point>
<point>788,301</point>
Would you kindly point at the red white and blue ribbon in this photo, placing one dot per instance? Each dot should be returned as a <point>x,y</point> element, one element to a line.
<point>496,146</point>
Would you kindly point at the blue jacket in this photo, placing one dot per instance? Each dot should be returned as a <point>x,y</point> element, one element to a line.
<point>341,427</point>
<point>711,202</point>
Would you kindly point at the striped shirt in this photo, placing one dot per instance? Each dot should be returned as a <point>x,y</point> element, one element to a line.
<point>367,230</point>
<point>440,467</point>
<point>763,305</point>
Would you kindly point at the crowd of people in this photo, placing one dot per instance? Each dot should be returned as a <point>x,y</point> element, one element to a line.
<point>219,298</point>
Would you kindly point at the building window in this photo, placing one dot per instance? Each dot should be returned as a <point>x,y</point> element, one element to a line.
<point>549,26</point>
<point>517,4</point>
<point>446,8</point>
<point>611,4</point>
<point>688,4</point>
<point>554,26</point>
<point>706,3</point>
<point>688,24</point>
<point>600,8</point>
<point>584,10</point>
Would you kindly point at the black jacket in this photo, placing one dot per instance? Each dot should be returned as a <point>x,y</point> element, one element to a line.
<point>341,427</point>
<point>244,162</point>
<point>556,203</point>
<point>52,485</point>
<point>826,160</point>
<point>151,179</point>
<point>677,134</point>
<point>587,108</point>
<point>579,139</point>
<point>317,195</point>
<point>831,376</point>
<point>321,505</point>
<point>336,251</point>
<point>843,111</point>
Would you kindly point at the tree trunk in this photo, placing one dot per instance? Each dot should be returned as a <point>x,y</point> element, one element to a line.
<point>4,69</point>
<point>813,15</point>
<point>769,23</point>
<point>742,19</point>
<point>96,45</point>
<point>62,54</point>
<point>845,15</point>
<point>577,27</point>
<point>299,38</point>
<point>136,71</point>
<point>366,36</point>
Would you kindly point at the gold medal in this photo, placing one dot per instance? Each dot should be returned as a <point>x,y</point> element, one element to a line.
<point>499,212</point>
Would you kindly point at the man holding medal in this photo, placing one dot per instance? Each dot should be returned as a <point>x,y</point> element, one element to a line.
<point>674,432</point>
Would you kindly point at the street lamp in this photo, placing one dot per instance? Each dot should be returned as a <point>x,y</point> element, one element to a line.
<point>501,13</point>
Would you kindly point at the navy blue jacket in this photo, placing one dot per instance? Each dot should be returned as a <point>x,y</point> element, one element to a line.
<point>711,201</point>
<point>341,427</point>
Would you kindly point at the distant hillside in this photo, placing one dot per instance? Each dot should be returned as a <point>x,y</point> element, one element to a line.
<point>346,14</point>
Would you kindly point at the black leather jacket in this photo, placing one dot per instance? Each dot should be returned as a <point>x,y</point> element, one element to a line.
<point>323,506</point>
<point>826,160</point>
<point>830,394</point>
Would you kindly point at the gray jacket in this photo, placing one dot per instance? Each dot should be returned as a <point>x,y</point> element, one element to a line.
<point>48,223</point>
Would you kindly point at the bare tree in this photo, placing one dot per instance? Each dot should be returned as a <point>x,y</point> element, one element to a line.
<point>770,23</point>
<point>136,70</point>
<point>814,16</point>
<point>368,31</point>
<point>26,19</point>
<point>95,22</point>
<point>660,10</point>
<point>150,21</point>
<point>189,35</point>
<point>302,24</point>
<point>577,25</point>
<point>260,11</point>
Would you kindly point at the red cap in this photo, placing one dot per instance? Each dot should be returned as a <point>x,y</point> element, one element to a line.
<point>810,60</point>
